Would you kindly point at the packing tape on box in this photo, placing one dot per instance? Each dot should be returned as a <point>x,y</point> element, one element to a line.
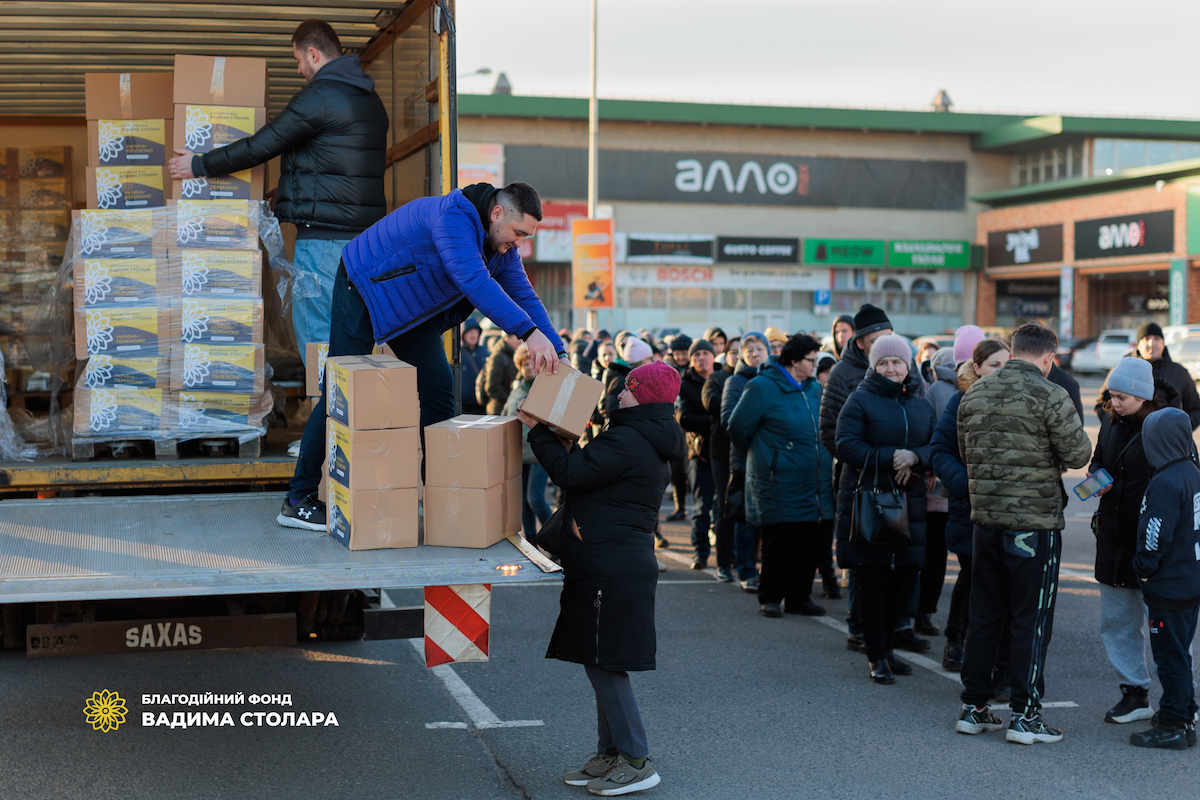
<point>217,87</point>
<point>563,398</point>
<point>458,428</point>
<point>126,96</point>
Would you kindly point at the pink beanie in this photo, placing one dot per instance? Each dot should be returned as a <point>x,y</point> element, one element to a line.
<point>890,345</point>
<point>965,339</point>
<point>656,382</point>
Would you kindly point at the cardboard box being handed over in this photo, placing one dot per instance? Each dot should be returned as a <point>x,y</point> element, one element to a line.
<point>564,401</point>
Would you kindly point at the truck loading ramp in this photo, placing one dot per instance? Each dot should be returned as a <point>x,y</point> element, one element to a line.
<point>74,549</point>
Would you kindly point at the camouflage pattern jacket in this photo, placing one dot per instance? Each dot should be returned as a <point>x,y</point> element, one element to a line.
<point>1016,431</point>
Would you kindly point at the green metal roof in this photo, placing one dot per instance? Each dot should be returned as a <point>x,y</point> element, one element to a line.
<point>990,131</point>
<point>1060,190</point>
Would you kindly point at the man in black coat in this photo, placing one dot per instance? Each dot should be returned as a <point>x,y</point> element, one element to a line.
<point>473,356</point>
<point>1150,346</point>
<point>697,424</point>
<point>333,139</point>
<point>718,446</point>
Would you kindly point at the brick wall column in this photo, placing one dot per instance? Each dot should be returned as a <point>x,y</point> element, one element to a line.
<point>985,300</point>
<point>1193,294</point>
<point>1083,308</point>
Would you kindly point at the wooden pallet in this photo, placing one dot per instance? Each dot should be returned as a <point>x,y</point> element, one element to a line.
<point>91,448</point>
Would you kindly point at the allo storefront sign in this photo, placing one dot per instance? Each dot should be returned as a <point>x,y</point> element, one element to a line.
<point>848,252</point>
<point>1039,245</point>
<point>592,263</point>
<point>927,253</point>
<point>1112,237</point>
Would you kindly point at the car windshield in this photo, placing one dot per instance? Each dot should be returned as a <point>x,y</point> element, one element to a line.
<point>1116,338</point>
<point>1188,350</point>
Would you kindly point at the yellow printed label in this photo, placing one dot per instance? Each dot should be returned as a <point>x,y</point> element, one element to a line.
<point>205,128</point>
<point>119,280</point>
<point>132,141</point>
<point>216,223</point>
<point>224,368</point>
<point>117,233</point>
<point>124,408</point>
<point>220,320</point>
<point>220,272</point>
<point>129,187</point>
<point>116,370</point>
<point>214,411</point>
<point>337,392</point>
<point>339,512</point>
<point>215,187</point>
<point>132,329</point>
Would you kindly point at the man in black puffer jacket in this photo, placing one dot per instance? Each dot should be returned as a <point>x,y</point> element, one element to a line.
<point>1151,347</point>
<point>333,139</point>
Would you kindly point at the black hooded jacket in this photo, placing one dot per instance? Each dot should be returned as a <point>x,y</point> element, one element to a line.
<point>1119,450</point>
<point>614,488</point>
<point>332,137</point>
<point>1168,542</point>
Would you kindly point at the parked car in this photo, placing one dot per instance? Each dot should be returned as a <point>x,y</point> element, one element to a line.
<point>1187,352</point>
<point>1104,353</point>
<point>1172,333</point>
<point>1067,348</point>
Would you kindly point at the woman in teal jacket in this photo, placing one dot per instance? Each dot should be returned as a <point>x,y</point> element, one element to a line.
<point>789,483</point>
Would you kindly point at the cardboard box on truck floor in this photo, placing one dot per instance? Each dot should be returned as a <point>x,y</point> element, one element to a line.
<point>220,81</point>
<point>128,95</point>
<point>373,520</point>
<point>369,460</point>
<point>472,517</point>
<point>314,364</point>
<point>473,452</point>
<point>371,392</point>
<point>564,401</point>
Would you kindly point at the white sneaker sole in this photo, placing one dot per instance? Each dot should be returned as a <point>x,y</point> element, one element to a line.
<point>1132,716</point>
<point>1031,738</point>
<point>292,522</point>
<point>645,783</point>
<point>962,726</point>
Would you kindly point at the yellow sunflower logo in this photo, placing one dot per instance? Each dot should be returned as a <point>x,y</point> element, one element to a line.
<point>105,710</point>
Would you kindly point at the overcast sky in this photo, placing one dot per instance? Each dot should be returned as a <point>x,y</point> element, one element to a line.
<point>1041,56</point>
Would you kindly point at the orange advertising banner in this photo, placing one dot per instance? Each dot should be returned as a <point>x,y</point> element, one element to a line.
<point>592,263</point>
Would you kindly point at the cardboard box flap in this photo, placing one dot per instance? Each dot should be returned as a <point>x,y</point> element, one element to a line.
<point>564,401</point>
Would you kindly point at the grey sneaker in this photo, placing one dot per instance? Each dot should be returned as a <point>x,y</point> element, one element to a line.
<point>977,720</point>
<point>623,778</point>
<point>1031,731</point>
<point>597,764</point>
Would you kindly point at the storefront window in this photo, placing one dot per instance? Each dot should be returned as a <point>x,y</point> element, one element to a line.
<point>848,302</point>
<point>1043,166</point>
<point>1130,154</point>
<point>766,300</point>
<point>732,299</point>
<point>689,298</point>
<point>802,301</point>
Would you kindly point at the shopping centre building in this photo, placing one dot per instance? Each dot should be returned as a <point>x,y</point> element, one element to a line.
<point>748,216</point>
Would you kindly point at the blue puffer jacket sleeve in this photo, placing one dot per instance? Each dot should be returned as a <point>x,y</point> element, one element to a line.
<point>952,472</point>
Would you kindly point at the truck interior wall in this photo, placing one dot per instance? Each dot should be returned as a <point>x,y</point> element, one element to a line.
<point>48,131</point>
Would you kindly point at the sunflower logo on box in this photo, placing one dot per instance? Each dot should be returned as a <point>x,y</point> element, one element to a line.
<point>108,188</point>
<point>195,321</point>
<point>197,129</point>
<point>92,232</point>
<point>112,142</point>
<point>97,283</point>
<point>189,222</point>
<point>99,332</point>
<point>195,365</point>
<point>105,710</point>
<point>195,273</point>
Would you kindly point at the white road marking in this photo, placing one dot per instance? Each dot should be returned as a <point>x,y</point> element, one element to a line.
<point>481,716</point>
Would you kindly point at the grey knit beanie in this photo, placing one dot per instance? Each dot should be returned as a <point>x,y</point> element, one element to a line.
<point>890,345</point>
<point>1132,376</point>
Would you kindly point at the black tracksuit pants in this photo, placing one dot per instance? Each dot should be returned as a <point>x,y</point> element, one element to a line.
<point>1012,572</point>
<point>791,552</point>
<point>1171,634</point>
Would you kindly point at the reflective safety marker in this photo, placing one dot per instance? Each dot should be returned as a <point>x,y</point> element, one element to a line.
<point>457,622</point>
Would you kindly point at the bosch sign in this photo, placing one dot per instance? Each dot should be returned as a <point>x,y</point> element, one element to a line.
<point>1120,236</point>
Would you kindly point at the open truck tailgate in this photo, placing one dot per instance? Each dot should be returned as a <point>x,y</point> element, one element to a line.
<point>72,549</point>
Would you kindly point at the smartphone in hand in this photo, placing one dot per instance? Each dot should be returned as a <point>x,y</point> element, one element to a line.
<point>1092,484</point>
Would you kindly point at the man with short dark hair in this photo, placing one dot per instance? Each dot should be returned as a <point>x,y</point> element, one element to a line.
<point>1016,430</point>
<point>1152,347</point>
<point>415,274</point>
<point>697,425</point>
<point>332,137</point>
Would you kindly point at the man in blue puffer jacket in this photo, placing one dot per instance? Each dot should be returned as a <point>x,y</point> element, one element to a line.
<point>415,274</point>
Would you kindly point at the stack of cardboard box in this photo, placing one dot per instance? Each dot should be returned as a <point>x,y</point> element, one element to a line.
<point>472,480</point>
<point>373,450</point>
<point>168,275</point>
<point>35,215</point>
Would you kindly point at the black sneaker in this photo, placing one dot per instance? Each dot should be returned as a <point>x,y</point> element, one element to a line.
<point>907,640</point>
<point>308,514</point>
<point>952,657</point>
<point>923,625</point>
<point>977,720</point>
<point>808,608</point>
<point>771,610</point>
<point>830,589</point>
<point>1189,726</point>
<point>1134,705</point>
<point>1167,735</point>
<point>1031,731</point>
<point>856,644</point>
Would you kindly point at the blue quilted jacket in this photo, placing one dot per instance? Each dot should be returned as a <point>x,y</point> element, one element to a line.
<point>426,261</point>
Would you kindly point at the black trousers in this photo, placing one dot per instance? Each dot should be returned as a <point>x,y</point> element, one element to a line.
<point>679,481</point>
<point>721,526</point>
<point>1013,572</point>
<point>933,577</point>
<point>1171,634</point>
<point>880,597</point>
<point>790,554</point>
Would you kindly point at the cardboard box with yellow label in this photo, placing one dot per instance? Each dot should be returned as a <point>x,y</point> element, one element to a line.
<point>371,392</point>
<point>117,410</point>
<point>231,368</point>
<point>141,330</point>
<point>127,187</point>
<point>380,459</point>
<point>372,520</point>
<point>314,367</point>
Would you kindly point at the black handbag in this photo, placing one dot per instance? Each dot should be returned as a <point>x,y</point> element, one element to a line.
<point>735,498</point>
<point>879,517</point>
<point>552,536</point>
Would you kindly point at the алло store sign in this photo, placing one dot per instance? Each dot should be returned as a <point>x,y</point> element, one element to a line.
<point>1134,235</point>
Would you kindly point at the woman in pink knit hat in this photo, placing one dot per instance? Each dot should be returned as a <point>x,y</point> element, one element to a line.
<point>614,488</point>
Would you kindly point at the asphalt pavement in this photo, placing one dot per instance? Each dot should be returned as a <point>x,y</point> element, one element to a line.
<point>739,707</point>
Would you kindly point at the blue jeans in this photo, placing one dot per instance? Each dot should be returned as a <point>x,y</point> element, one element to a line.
<point>744,535</point>
<point>534,508</point>
<point>701,479</point>
<point>317,262</point>
<point>351,335</point>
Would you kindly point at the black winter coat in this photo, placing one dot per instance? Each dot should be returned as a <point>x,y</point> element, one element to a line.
<point>952,472</point>
<point>332,136</point>
<point>844,378</point>
<point>614,488</point>
<point>693,416</point>
<point>718,437</point>
<point>1119,451</point>
<point>1168,541</point>
<point>1063,379</point>
<point>881,417</point>
<point>473,361</point>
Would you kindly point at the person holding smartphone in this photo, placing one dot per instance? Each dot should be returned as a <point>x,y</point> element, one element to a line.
<point>1132,394</point>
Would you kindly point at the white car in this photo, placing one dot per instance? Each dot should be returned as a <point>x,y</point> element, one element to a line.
<point>1103,354</point>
